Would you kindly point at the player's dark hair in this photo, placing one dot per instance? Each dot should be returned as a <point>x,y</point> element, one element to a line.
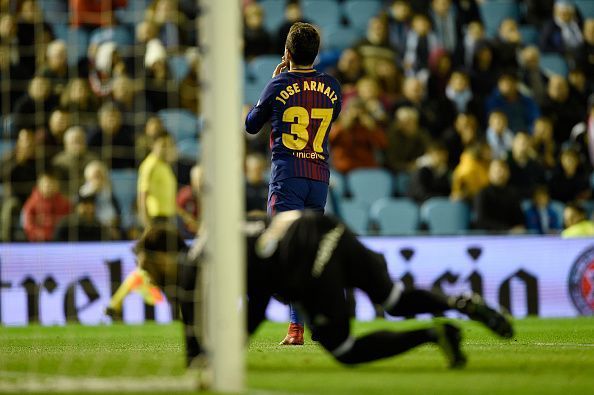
<point>161,238</point>
<point>303,42</point>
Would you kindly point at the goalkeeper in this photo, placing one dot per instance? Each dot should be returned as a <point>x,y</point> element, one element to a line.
<point>310,259</point>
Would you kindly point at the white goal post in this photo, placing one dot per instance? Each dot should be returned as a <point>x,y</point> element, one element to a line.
<point>222,159</point>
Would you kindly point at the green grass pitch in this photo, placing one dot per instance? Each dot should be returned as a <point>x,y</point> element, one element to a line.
<point>553,356</point>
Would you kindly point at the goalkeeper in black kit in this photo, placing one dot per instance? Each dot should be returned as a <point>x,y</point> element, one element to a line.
<point>310,259</point>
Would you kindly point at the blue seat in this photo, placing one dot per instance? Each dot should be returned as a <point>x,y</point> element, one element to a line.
<point>369,185</point>
<point>261,68</point>
<point>495,11</point>
<point>274,14</point>
<point>179,67</point>
<point>338,183</point>
<point>189,149</point>
<point>359,12</point>
<point>444,216</point>
<point>5,147</point>
<point>530,35</point>
<point>321,12</point>
<point>181,123</point>
<point>339,37</point>
<point>395,216</point>
<point>553,63</point>
<point>252,91</point>
<point>61,31</point>
<point>401,183</point>
<point>78,41</point>
<point>558,207</point>
<point>124,190</point>
<point>118,34</point>
<point>586,7</point>
<point>355,215</point>
<point>133,13</point>
<point>54,11</point>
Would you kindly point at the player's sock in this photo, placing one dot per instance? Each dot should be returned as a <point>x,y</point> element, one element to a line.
<point>294,316</point>
<point>417,301</point>
<point>382,344</point>
<point>137,280</point>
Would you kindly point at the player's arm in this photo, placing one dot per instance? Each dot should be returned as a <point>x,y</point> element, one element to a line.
<point>260,113</point>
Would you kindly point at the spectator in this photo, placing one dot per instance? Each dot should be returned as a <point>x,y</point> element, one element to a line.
<point>188,201</point>
<point>112,141</point>
<point>32,110</point>
<point>371,95</point>
<point>562,33</point>
<point>107,64</point>
<point>82,224</point>
<point>256,39</point>
<point>130,102</point>
<point>107,208</point>
<point>399,22</point>
<point>459,93</point>
<point>420,42</point>
<point>51,138</point>
<point>578,85</point>
<point>483,78</point>
<point>497,206</point>
<point>44,208</point>
<point>440,67</point>
<point>92,14</point>
<point>356,138</point>
<point>144,141</point>
<point>157,185</point>
<point>569,182</point>
<point>189,87</point>
<point>461,136</point>
<point>292,14</point>
<point>506,45</point>
<point>447,26</point>
<point>19,173</point>
<point>171,23</point>
<point>499,137</point>
<point>475,35</point>
<point>376,44</point>
<point>531,75</point>
<point>543,143</point>
<point>32,34</point>
<point>407,141</point>
<point>586,55</point>
<point>525,171</point>
<point>521,110</point>
<point>432,177</point>
<point>538,12</point>
<point>389,77</point>
<point>472,173</point>
<point>349,69</point>
<point>56,69</point>
<point>71,162</point>
<point>576,222</point>
<point>256,187</point>
<point>159,87</point>
<point>561,108</point>
<point>79,100</point>
<point>468,11</point>
<point>540,216</point>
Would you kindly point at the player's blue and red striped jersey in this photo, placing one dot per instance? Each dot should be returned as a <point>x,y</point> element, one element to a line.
<point>301,106</point>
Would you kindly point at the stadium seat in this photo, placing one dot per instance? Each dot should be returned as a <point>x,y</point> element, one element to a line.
<point>339,37</point>
<point>321,12</point>
<point>124,190</point>
<point>355,215</point>
<point>338,183</point>
<point>54,11</point>
<point>5,147</point>
<point>179,67</point>
<point>78,41</point>
<point>529,34</point>
<point>182,124</point>
<point>553,63</point>
<point>134,13</point>
<point>395,216</point>
<point>586,7</point>
<point>401,183</point>
<point>358,12</point>
<point>252,91</point>
<point>61,31</point>
<point>495,11</point>
<point>368,185</point>
<point>189,149</point>
<point>444,216</point>
<point>558,208</point>
<point>118,34</point>
<point>261,68</point>
<point>274,14</point>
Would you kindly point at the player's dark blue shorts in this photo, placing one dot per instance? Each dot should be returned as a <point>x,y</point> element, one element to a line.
<point>297,194</point>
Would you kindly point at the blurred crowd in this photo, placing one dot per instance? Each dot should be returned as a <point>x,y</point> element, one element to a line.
<point>89,88</point>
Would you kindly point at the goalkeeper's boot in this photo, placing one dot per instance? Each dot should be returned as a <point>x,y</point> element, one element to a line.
<point>448,340</point>
<point>294,335</point>
<point>475,308</point>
